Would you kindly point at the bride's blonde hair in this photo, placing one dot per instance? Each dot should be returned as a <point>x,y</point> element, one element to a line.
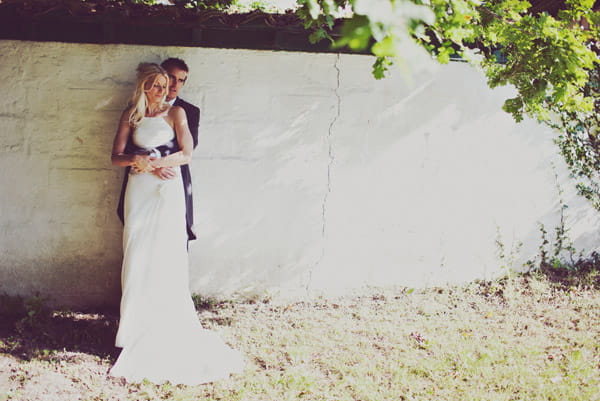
<point>146,72</point>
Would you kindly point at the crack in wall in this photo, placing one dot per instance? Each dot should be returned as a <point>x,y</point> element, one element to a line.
<point>329,167</point>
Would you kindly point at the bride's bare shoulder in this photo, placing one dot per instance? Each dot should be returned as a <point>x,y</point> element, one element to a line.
<point>175,109</point>
<point>176,113</point>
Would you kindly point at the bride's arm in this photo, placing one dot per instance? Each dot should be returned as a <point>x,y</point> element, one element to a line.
<point>118,156</point>
<point>184,139</point>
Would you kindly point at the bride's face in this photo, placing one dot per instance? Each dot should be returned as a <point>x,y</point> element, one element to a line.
<point>156,91</point>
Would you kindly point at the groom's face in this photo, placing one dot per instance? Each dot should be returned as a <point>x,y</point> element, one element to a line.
<point>177,78</point>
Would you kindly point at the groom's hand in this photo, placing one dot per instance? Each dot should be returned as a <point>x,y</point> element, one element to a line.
<point>165,173</point>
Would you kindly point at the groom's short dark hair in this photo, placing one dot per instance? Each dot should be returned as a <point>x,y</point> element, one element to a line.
<point>175,62</point>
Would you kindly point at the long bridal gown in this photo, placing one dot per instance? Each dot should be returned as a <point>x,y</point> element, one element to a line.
<point>159,332</point>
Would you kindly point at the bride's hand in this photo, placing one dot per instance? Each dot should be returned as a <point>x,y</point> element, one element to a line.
<point>142,164</point>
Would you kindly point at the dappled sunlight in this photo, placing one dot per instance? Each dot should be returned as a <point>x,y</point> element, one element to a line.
<point>531,336</point>
<point>59,334</point>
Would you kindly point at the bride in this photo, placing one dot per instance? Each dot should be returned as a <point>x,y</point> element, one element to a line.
<point>159,332</point>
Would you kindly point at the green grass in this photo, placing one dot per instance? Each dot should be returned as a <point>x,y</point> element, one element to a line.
<point>524,338</point>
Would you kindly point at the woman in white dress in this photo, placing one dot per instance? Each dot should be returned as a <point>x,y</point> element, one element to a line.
<point>159,332</point>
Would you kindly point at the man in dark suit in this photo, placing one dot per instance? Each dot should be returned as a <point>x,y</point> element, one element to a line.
<point>177,70</point>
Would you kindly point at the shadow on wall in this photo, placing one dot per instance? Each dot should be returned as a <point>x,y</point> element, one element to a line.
<point>61,237</point>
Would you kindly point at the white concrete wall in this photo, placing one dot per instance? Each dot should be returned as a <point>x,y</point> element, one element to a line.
<point>310,175</point>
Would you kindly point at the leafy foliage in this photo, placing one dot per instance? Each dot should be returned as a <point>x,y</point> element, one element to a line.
<point>552,59</point>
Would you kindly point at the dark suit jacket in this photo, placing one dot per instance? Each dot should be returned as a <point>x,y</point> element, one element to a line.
<point>193,116</point>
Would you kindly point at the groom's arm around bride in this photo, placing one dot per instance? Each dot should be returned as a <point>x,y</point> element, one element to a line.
<point>177,71</point>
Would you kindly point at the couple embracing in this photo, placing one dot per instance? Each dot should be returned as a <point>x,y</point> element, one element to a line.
<point>159,332</point>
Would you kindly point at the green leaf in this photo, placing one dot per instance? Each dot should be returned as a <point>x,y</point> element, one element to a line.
<point>313,8</point>
<point>514,106</point>
<point>356,33</point>
<point>385,48</point>
<point>381,66</point>
<point>444,54</point>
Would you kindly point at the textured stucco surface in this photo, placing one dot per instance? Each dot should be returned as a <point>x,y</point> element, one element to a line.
<point>310,176</point>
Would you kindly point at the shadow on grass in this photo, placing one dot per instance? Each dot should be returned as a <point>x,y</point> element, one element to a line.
<point>583,273</point>
<point>28,330</point>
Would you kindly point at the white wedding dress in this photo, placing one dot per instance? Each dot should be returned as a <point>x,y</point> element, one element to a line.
<point>159,330</point>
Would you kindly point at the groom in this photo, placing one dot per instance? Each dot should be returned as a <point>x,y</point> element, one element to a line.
<point>177,70</point>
